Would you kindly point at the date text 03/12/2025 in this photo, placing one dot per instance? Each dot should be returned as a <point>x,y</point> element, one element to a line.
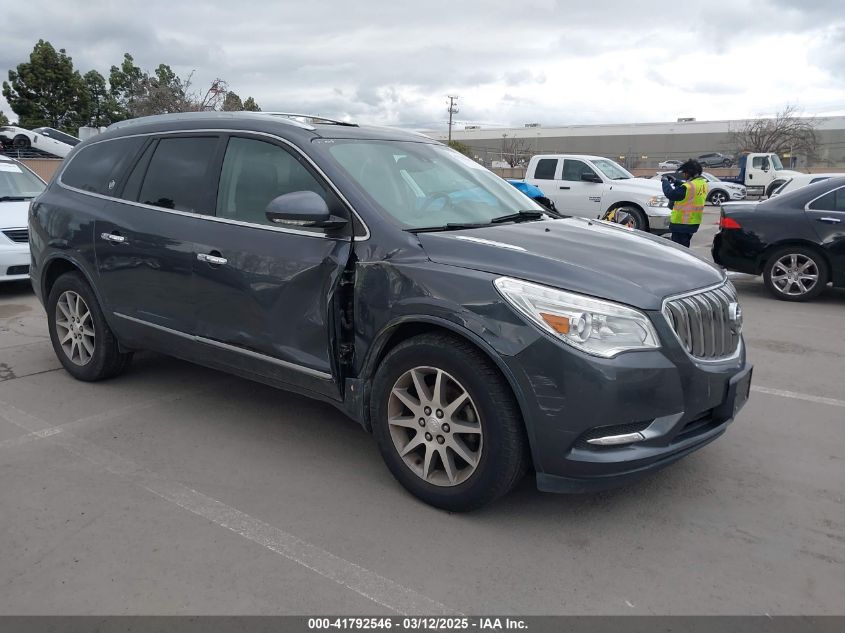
<point>410,623</point>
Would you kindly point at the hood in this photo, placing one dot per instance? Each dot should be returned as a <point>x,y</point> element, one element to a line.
<point>585,256</point>
<point>788,173</point>
<point>13,215</point>
<point>645,186</point>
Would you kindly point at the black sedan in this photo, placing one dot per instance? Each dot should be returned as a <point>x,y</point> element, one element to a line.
<point>796,241</point>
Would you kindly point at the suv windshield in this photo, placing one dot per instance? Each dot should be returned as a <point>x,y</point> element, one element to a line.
<point>612,170</point>
<point>426,185</point>
<point>18,183</point>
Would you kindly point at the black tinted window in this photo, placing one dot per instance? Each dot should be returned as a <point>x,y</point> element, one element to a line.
<point>255,172</point>
<point>545,169</point>
<point>97,167</point>
<point>177,177</point>
<point>572,169</point>
<point>833,201</point>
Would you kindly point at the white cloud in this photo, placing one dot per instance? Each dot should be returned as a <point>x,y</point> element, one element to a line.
<point>394,62</point>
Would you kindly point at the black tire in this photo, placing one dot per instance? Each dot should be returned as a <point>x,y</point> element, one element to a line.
<point>21,142</point>
<point>718,197</point>
<point>504,458</point>
<point>800,252</point>
<point>640,219</point>
<point>727,163</point>
<point>106,360</point>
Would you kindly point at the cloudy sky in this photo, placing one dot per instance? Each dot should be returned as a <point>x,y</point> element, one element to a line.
<point>510,61</point>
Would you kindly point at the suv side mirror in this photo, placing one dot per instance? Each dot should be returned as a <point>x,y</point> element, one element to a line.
<point>589,176</point>
<point>302,208</point>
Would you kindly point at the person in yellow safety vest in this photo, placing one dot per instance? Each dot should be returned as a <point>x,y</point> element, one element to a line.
<point>687,197</point>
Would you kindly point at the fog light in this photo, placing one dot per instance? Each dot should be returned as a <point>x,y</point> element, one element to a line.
<point>611,440</point>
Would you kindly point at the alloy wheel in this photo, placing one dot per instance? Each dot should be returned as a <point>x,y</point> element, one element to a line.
<point>718,198</point>
<point>75,328</point>
<point>795,274</point>
<point>435,426</point>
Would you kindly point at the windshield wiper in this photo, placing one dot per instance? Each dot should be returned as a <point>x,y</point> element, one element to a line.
<point>519,216</point>
<point>451,226</point>
<point>15,198</point>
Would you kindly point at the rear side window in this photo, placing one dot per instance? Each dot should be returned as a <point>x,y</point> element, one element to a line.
<point>96,168</point>
<point>254,172</point>
<point>832,201</point>
<point>546,168</point>
<point>178,174</point>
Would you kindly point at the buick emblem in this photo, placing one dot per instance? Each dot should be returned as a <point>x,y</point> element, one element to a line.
<point>735,315</point>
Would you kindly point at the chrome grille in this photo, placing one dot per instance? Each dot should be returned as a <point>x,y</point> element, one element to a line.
<point>17,235</point>
<point>703,324</point>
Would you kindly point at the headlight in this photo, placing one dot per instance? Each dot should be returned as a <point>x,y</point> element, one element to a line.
<point>658,201</point>
<point>594,326</point>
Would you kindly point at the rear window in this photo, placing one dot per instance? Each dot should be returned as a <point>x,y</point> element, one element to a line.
<point>96,168</point>
<point>832,201</point>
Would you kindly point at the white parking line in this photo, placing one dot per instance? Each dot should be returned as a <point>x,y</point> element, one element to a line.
<point>362,581</point>
<point>833,402</point>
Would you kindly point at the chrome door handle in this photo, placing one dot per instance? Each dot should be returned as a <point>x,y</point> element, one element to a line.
<point>114,239</point>
<point>214,260</point>
<point>831,220</point>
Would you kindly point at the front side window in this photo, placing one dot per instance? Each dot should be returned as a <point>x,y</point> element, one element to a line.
<point>423,185</point>
<point>18,183</point>
<point>178,174</point>
<point>832,201</point>
<point>572,169</point>
<point>612,170</point>
<point>96,167</point>
<point>776,162</point>
<point>254,172</point>
<point>546,168</point>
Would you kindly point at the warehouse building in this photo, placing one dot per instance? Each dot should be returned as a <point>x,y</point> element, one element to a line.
<point>636,146</point>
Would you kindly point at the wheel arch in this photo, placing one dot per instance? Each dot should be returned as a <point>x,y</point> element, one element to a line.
<point>634,205</point>
<point>57,266</point>
<point>406,327</point>
<point>772,186</point>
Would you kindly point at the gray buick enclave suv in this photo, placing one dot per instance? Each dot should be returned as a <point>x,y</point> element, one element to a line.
<point>474,333</point>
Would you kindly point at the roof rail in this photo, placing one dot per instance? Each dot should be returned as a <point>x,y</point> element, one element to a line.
<point>311,118</point>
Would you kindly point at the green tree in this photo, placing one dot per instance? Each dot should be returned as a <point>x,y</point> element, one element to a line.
<point>128,88</point>
<point>3,119</point>
<point>47,91</point>
<point>103,110</point>
<point>232,102</point>
<point>251,106</point>
<point>463,148</point>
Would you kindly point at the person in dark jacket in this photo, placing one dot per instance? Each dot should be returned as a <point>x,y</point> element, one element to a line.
<point>687,196</point>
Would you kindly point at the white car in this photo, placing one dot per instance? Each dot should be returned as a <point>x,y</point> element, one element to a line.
<point>669,164</point>
<point>802,180</point>
<point>45,139</point>
<point>18,185</point>
<point>718,191</point>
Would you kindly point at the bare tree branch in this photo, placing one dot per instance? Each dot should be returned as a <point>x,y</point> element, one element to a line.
<point>787,132</point>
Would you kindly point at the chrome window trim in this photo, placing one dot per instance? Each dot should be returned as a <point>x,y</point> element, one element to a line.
<point>807,206</point>
<point>278,229</point>
<point>232,348</point>
<point>684,295</point>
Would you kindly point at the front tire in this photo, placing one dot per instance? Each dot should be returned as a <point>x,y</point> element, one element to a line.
<point>795,273</point>
<point>718,198</point>
<point>447,424</point>
<point>82,340</point>
<point>21,142</point>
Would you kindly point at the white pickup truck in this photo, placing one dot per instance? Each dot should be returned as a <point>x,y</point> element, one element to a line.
<point>761,173</point>
<point>591,185</point>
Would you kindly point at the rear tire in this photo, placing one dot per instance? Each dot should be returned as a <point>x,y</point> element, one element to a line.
<point>485,425</point>
<point>796,273</point>
<point>82,340</point>
<point>21,142</point>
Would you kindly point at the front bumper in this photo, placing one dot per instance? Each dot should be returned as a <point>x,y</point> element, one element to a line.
<point>679,404</point>
<point>658,219</point>
<point>14,261</point>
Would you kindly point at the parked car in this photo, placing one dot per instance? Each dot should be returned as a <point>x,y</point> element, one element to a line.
<point>669,164</point>
<point>802,180</point>
<point>590,186</point>
<point>470,331</point>
<point>18,185</point>
<point>44,139</point>
<point>761,173</point>
<point>715,160</point>
<point>719,191</point>
<point>795,240</point>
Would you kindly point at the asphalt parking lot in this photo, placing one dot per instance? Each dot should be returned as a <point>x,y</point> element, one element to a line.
<point>174,489</point>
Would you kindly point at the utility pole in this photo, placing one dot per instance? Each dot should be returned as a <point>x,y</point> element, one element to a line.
<point>453,109</point>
